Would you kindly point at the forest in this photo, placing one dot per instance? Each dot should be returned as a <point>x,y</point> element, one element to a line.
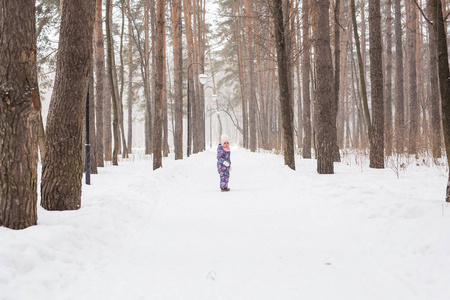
<point>314,79</point>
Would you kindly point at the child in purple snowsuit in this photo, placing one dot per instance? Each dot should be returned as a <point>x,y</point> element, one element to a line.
<point>224,163</point>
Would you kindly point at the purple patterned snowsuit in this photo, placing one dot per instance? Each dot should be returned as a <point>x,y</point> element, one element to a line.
<point>223,170</point>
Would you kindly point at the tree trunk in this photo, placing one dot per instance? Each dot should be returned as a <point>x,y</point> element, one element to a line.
<point>376,79</point>
<point>100,77</point>
<point>19,114</point>
<point>361,70</point>
<point>434,94</point>
<point>115,160</point>
<point>444,76</point>
<point>399,95</point>
<point>178,76</point>
<point>190,55</point>
<point>306,70</point>
<point>337,74</point>
<point>159,86</point>
<point>241,67</point>
<point>388,80</point>
<point>324,88</point>
<point>251,76</point>
<point>65,119</point>
<point>130,87</point>
<point>413,101</point>
<point>148,112</point>
<point>92,136</point>
<point>283,78</point>
<point>122,85</point>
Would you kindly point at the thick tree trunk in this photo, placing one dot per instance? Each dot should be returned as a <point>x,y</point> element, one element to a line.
<point>159,85</point>
<point>283,78</point>
<point>306,69</point>
<point>376,79</point>
<point>19,114</point>
<point>65,119</point>
<point>399,94</point>
<point>100,77</point>
<point>444,76</point>
<point>324,88</point>
<point>178,76</point>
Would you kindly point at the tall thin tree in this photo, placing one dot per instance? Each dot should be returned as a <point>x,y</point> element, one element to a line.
<point>283,78</point>
<point>376,80</point>
<point>178,76</point>
<point>159,85</point>
<point>324,87</point>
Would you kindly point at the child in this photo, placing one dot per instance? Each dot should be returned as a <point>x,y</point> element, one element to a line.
<point>224,162</point>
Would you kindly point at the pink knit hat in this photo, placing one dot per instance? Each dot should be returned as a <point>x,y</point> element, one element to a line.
<point>224,138</point>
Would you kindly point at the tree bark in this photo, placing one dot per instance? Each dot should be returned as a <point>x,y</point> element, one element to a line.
<point>251,76</point>
<point>376,79</point>
<point>92,136</point>
<point>283,78</point>
<point>324,88</point>
<point>444,76</point>
<point>178,76</point>
<point>388,80</point>
<point>159,86</point>
<point>399,94</point>
<point>337,74</point>
<point>130,86</point>
<point>99,54</point>
<point>65,119</point>
<point>434,94</point>
<point>306,69</point>
<point>19,114</point>
<point>115,123</point>
<point>413,101</point>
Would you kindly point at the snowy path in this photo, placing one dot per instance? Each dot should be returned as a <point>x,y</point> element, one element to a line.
<point>279,234</point>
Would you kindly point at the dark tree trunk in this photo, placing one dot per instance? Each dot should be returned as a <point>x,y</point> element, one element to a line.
<point>376,79</point>
<point>65,119</point>
<point>99,50</point>
<point>306,69</point>
<point>19,114</point>
<point>444,76</point>
<point>283,78</point>
<point>324,88</point>
<point>159,85</point>
<point>178,76</point>
<point>399,95</point>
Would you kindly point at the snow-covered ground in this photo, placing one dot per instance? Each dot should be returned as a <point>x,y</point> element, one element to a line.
<point>279,234</point>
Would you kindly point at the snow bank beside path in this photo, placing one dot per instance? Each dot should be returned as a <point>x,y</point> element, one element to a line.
<point>279,234</point>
